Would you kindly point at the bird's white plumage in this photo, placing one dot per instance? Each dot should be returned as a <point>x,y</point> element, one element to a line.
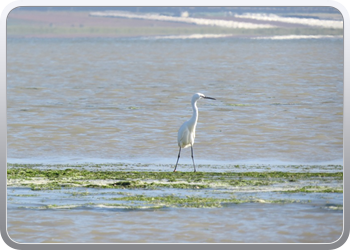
<point>187,131</point>
<point>185,136</point>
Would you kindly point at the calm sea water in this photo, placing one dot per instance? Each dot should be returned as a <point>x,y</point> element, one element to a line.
<point>123,100</point>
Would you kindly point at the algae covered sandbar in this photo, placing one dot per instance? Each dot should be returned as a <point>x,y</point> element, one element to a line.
<point>182,189</point>
<point>124,202</point>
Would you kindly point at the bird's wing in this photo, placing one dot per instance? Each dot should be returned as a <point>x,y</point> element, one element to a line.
<point>183,136</point>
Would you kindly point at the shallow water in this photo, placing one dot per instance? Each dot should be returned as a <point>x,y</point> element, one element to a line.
<point>243,223</point>
<point>124,99</point>
<point>279,108</point>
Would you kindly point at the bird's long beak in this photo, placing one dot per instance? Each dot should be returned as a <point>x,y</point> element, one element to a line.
<point>207,97</point>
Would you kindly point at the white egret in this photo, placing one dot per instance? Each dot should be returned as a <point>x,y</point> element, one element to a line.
<point>187,131</point>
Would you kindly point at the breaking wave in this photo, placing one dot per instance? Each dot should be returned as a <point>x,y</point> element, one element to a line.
<point>305,21</point>
<point>293,37</point>
<point>193,36</point>
<point>199,21</point>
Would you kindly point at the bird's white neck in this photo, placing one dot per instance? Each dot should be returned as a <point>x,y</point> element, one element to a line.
<point>194,118</point>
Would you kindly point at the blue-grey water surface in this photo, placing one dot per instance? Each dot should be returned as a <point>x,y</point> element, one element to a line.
<point>124,99</point>
<point>279,102</point>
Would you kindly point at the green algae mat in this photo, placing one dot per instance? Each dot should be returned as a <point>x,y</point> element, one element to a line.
<point>161,189</point>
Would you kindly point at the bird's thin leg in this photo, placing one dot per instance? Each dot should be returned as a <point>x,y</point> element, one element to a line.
<point>178,157</point>
<point>193,159</point>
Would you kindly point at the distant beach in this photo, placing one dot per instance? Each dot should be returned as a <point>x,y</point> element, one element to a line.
<point>73,24</point>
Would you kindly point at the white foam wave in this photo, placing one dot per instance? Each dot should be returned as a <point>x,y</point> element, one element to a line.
<point>305,21</point>
<point>198,21</point>
<point>292,37</point>
<point>193,36</point>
